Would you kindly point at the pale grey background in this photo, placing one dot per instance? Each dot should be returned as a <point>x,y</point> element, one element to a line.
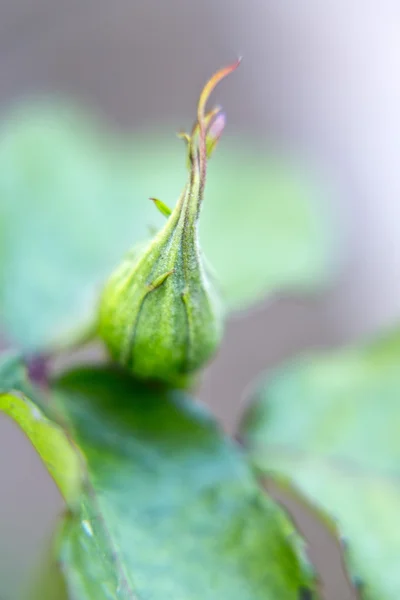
<point>321,79</point>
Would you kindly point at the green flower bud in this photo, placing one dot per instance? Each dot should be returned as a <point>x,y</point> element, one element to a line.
<point>160,315</point>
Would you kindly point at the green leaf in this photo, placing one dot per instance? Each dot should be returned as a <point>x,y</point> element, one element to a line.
<point>330,427</point>
<point>30,413</point>
<point>74,199</point>
<point>171,509</point>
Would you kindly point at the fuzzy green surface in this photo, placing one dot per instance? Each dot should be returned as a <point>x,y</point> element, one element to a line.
<point>330,426</point>
<point>159,315</point>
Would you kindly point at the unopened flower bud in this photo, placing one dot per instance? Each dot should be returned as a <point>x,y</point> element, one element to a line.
<point>160,315</point>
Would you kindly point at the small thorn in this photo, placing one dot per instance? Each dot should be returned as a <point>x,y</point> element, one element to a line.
<point>159,280</point>
<point>182,135</point>
<point>184,296</point>
<point>163,208</point>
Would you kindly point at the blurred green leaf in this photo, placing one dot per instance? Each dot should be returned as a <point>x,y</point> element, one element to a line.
<point>171,509</point>
<point>263,226</point>
<point>74,199</point>
<point>17,400</point>
<point>330,426</point>
<point>70,210</point>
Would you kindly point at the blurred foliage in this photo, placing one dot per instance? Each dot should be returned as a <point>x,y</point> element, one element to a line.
<point>169,507</point>
<point>74,198</point>
<point>68,208</point>
<point>330,427</point>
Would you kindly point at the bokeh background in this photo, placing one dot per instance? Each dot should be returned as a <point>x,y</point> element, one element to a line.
<point>320,81</point>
